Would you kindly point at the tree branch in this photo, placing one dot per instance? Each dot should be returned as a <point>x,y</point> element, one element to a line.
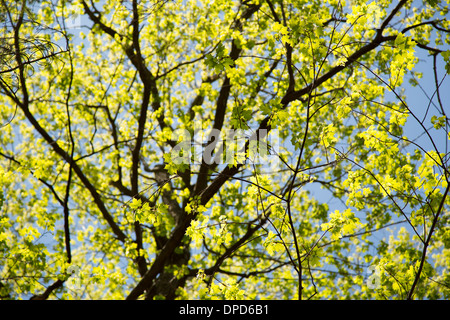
<point>222,100</point>
<point>427,242</point>
<point>44,296</point>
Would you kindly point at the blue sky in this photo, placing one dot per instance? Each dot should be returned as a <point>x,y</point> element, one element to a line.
<point>417,99</point>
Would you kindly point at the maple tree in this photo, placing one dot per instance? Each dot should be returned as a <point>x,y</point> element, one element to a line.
<point>95,118</point>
